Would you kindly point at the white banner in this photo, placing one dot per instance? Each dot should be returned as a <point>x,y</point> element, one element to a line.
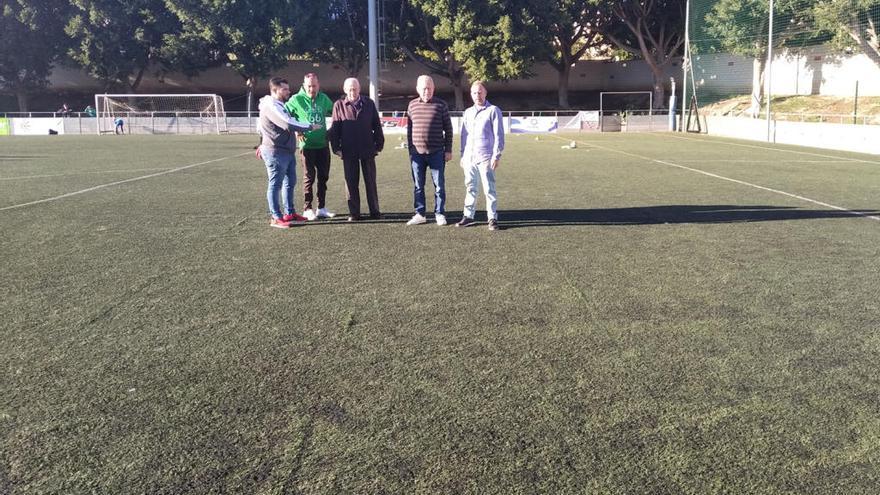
<point>37,126</point>
<point>533,124</point>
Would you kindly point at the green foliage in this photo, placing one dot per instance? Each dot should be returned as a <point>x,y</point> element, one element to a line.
<point>853,24</point>
<point>31,41</point>
<point>337,33</point>
<point>116,40</point>
<point>488,38</point>
<point>742,26</point>
<point>256,37</point>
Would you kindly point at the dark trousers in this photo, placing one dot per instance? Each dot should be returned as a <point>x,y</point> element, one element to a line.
<point>353,168</point>
<point>316,162</point>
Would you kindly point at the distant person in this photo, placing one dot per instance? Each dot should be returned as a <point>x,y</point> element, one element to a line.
<point>429,140</point>
<point>482,141</point>
<point>356,136</point>
<point>89,111</point>
<point>64,110</point>
<point>277,150</point>
<point>120,125</point>
<point>313,106</point>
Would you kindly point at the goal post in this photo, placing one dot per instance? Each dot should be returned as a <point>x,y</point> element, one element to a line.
<point>161,113</point>
<point>614,105</point>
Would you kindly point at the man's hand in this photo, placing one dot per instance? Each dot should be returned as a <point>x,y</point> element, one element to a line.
<point>495,164</point>
<point>447,156</point>
<point>258,154</point>
<point>338,153</point>
<point>300,137</point>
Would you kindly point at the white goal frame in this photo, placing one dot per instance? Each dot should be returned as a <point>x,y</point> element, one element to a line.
<point>106,113</point>
<point>602,103</point>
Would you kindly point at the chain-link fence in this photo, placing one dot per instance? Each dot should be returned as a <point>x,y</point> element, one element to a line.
<point>819,60</point>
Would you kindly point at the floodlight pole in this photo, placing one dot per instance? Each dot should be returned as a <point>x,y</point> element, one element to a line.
<point>374,52</point>
<point>685,62</point>
<point>769,75</point>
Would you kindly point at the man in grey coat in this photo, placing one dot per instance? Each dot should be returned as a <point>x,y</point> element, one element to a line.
<point>277,147</point>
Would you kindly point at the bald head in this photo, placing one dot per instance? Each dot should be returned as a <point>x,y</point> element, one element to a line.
<point>478,93</point>
<point>425,87</point>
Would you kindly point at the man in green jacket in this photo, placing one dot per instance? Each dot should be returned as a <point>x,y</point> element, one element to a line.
<point>312,106</point>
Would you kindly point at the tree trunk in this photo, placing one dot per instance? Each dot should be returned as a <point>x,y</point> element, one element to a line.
<point>137,80</point>
<point>758,65</point>
<point>459,92</point>
<point>564,74</point>
<point>22,100</point>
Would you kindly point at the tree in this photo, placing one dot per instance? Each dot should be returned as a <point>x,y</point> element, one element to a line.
<point>341,36</point>
<point>650,29</point>
<point>851,22</point>
<point>31,40</point>
<point>484,39</point>
<point>116,41</point>
<point>567,29</point>
<point>742,28</point>
<point>254,37</point>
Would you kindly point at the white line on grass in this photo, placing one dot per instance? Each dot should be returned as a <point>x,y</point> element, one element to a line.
<point>109,184</point>
<point>765,161</point>
<point>756,186</point>
<point>23,177</point>
<point>874,162</point>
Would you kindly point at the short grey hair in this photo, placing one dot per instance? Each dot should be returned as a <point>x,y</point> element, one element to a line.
<point>351,80</point>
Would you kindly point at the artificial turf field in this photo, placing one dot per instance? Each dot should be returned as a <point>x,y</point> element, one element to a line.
<point>637,327</point>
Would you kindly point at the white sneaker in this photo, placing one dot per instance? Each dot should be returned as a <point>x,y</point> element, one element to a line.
<point>310,215</point>
<point>323,213</point>
<point>417,219</point>
<point>441,219</point>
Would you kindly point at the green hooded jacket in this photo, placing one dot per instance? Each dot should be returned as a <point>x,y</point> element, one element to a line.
<point>304,109</point>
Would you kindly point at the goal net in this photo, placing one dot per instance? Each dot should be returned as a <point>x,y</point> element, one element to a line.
<point>160,114</point>
<point>626,111</point>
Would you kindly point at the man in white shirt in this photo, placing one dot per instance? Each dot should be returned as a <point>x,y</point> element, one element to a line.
<point>482,142</point>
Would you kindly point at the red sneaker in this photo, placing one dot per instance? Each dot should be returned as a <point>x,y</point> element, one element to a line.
<point>279,223</point>
<point>294,219</point>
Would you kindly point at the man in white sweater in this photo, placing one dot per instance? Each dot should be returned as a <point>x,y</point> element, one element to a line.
<point>277,147</point>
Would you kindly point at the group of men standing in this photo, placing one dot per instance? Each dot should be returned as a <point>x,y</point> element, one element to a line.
<point>355,135</point>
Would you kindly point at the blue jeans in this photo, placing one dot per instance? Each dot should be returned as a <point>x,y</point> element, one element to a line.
<point>420,164</point>
<point>281,169</point>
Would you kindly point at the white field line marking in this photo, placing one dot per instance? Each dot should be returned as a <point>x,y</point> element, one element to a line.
<point>756,186</point>
<point>23,177</point>
<point>764,161</point>
<point>743,145</point>
<point>133,179</point>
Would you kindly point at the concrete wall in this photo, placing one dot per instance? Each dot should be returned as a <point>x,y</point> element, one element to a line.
<point>811,71</point>
<point>844,137</point>
<point>399,79</point>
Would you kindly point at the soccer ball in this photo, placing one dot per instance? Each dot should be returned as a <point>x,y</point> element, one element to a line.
<point>573,145</point>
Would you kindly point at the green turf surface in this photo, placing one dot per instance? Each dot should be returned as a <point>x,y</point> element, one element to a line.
<point>635,328</point>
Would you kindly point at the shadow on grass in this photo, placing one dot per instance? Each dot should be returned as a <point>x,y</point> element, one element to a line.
<point>670,214</point>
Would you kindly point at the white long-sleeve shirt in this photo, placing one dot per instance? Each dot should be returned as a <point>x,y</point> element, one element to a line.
<point>482,133</point>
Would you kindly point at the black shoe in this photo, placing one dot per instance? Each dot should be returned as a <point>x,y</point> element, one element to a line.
<point>493,225</point>
<point>465,222</point>
<point>354,218</point>
<point>375,216</point>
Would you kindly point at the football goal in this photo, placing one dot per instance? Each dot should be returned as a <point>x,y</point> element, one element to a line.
<point>161,114</point>
<point>619,110</point>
